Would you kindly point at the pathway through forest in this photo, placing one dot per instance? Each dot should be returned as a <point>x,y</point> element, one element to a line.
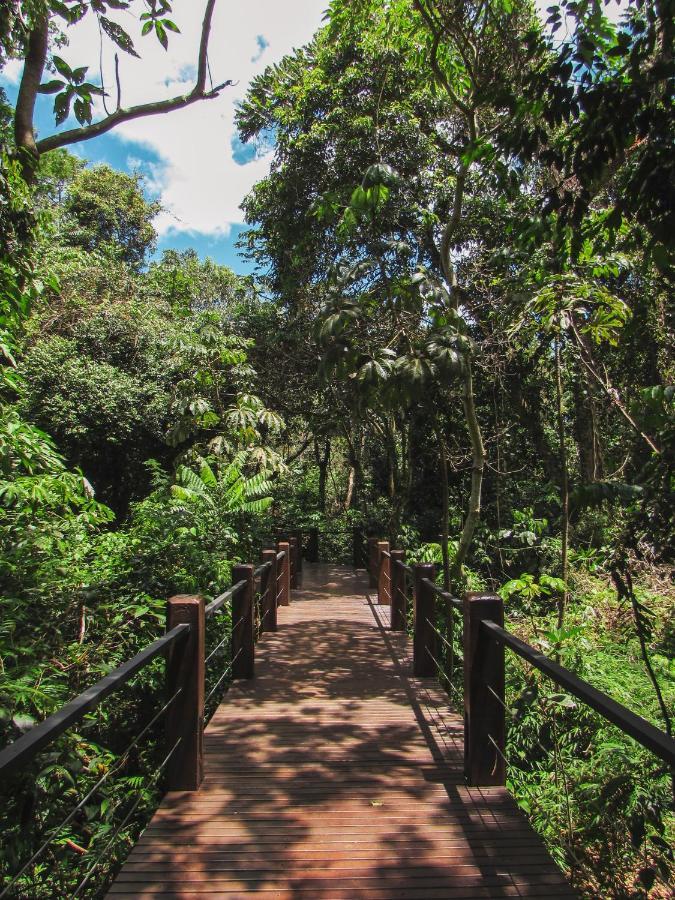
<point>336,774</point>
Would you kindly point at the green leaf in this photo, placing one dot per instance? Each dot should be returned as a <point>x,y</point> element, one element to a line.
<point>118,36</point>
<point>62,67</point>
<point>51,87</point>
<point>161,35</point>
<point>62,106</point>
<point>78,74</point>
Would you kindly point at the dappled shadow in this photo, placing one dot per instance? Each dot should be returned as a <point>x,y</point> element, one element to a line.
<point>334,773</point>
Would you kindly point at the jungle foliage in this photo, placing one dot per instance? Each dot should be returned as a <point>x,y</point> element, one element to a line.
<point>460,338</point>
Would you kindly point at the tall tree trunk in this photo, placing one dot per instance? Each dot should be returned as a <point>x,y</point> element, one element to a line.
<point>322,460</point>
<point>564,483</point>
<point>586,432</point>
<point>34,64</point>
<point>477,468</point>
<point>445,501</point>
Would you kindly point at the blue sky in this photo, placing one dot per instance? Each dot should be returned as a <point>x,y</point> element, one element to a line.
<point>192,159</point>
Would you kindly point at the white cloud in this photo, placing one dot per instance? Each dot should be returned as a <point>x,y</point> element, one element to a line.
<point>12,70</point>
<point>201,185</point>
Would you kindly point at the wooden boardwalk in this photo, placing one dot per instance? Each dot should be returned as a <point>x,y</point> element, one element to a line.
<point>336,774</point>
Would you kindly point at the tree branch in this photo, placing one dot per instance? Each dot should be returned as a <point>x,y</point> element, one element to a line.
<point>54,141</point>
<point>159,107</point>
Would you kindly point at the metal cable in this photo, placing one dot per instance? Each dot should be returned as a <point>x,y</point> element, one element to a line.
<point>445,641</point>
<point>119,764</point>
<point>223,676</point>
<point>124,821</point>
<point>227,638</point>
<point>499,700</point>
<point>443,672</point>
<point>494,744</point>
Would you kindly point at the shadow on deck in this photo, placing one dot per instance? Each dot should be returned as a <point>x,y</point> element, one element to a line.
<point>336,774</point>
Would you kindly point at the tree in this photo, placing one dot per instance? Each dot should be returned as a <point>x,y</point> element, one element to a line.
<point>33,28</point>
<point>107,209</point>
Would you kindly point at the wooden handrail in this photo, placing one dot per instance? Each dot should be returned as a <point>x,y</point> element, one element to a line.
<point>642,731</point>
<point>16,755</point>
<point>484,640</point>
<point>183,644</point>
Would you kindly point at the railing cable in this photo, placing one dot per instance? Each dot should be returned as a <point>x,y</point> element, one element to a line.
<point>216,604</point>
<point>113,770</point>
<point>30,744</point>
<point>223,676</point>
<point>445,640</point>
<point>124,821</point>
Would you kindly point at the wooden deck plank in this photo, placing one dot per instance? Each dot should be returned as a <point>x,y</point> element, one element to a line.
<point>336,774</point>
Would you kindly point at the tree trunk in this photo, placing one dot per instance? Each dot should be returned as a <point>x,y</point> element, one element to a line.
<point>24,134</point>
<point>564,483</point>
<point>351,483</point>
<point>445,525</point>
<point>322,460</point>
<point>586,432</point>
<point>477,467</point>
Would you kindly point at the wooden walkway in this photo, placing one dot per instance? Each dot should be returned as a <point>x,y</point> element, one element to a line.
<point>335,774</point>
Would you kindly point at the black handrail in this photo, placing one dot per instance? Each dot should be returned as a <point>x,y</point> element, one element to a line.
<point>660,743</point>
<point>446,595</point>
<point>215,605</point>
<point>261,569</point>
<point>25,748</point>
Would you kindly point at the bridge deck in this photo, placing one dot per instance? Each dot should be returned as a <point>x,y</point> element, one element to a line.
<point>335,774</point>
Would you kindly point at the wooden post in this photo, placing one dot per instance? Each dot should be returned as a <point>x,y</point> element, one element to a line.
<point>313,546</point>
<point>268,589</point>
<point>185,716</point>
<point>424,637</point>
<point>284,567</point>
<point>399,597</point>
<point>484,714</point>
<point>357,548</point>
<point>372,561</point>
<point>243,625</point>
<point>383,573</point>
<point>293,542</point>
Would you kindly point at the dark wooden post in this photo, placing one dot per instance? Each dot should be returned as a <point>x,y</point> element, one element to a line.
<point>372,561</point>
<point>185,716</point>
<point>357,548</point>
<point>383,572</point>
<point>293,541</point>
<point>483,678</point>
<point>284,569</point>
<point>268,589</point>
<point>399,597</point>
<point>313,546</point>
<point>243,625</point>
<point>424,637</point>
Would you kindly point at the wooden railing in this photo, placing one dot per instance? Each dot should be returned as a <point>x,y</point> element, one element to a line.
<point>484,640</point>
<point>193,678</point>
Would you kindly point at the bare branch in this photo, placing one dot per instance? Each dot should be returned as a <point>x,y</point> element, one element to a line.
<point>158,107</point>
